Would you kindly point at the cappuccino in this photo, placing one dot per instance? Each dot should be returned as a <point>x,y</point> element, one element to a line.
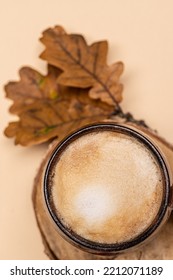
<point>106,187</point>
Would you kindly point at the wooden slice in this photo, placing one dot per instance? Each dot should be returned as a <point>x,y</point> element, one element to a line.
<point>57,248</point>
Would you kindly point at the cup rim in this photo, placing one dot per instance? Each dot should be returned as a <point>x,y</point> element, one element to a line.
<point>74,238</point>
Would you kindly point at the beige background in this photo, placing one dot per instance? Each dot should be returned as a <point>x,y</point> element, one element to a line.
<point>140,33</point>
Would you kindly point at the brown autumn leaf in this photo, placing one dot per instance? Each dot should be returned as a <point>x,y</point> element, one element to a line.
<point>83,66</point>
<point>47,110</point>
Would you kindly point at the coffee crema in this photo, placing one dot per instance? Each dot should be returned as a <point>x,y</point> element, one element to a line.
<point>107,187</point>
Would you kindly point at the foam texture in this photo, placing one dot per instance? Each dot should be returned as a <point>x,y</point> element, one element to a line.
<point>107,187</point>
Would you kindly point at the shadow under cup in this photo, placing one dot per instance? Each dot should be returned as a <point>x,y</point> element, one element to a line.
<point>69,148</point>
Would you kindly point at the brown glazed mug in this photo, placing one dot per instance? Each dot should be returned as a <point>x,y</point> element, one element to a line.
<point>72,158</point>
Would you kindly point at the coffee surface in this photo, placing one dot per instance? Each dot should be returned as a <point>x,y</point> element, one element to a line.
<point>107,187</point>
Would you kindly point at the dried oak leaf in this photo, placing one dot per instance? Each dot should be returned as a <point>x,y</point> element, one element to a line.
<point>47,110</point>
<point>83,66</point>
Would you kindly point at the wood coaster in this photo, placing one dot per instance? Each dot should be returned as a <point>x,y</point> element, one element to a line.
<point>57,248</point>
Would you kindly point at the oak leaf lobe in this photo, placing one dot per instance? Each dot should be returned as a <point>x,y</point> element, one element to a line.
<point>83,66</point>
<point>49,110</point>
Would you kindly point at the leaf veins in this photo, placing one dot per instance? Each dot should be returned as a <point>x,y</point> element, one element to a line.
<point>47,110</point>
<point>82,65</point>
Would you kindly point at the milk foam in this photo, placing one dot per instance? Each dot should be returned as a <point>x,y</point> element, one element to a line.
<point>107,187</point>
